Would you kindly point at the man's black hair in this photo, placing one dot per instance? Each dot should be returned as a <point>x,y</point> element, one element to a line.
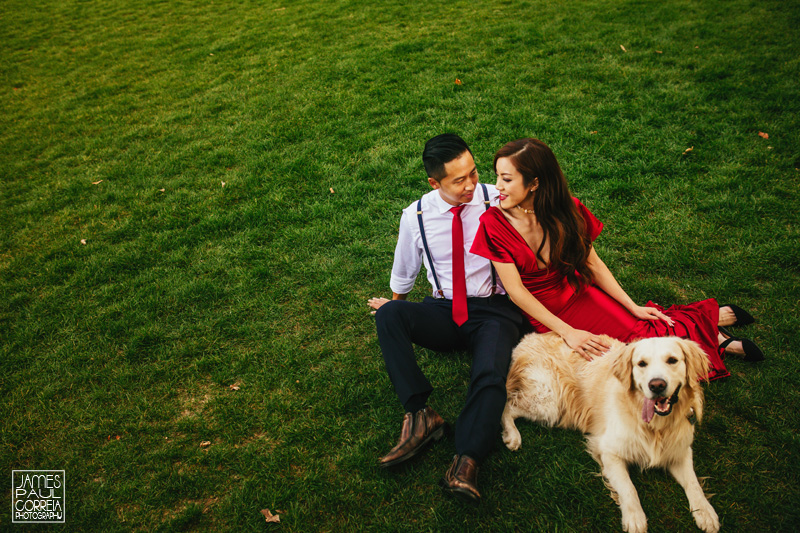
<point>441,150</point>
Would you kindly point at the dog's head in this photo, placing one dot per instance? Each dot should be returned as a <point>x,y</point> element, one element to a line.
<point>663,370</point>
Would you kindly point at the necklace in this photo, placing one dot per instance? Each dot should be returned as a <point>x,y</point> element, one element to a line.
<point>526,211</point>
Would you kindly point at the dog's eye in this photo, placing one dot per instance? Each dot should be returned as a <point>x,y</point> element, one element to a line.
<point>642,364</point>
<point>672,361</point>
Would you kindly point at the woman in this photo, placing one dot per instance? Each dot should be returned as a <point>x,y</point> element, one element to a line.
<point>540,238</point>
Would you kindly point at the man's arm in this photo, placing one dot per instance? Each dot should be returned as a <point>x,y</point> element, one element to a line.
<point>407,256</point>
<point>407,261</point>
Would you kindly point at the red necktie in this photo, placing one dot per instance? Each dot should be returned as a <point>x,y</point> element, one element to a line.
<point>459,277</point>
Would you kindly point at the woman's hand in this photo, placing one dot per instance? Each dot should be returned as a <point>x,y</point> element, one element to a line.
<point>376,303</point>
<point>651,313</point>
<point>585,343</point>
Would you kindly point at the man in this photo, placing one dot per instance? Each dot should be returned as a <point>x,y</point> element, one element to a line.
<point>466,312</point>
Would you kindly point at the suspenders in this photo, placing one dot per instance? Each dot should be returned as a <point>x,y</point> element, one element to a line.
<point>428,252</point>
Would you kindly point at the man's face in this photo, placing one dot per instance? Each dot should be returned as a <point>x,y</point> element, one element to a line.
<point>458,185</point>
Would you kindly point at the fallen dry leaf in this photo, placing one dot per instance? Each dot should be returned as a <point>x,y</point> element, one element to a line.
<point>97,182</point>
<point>659,52</point>
<point>205,444</point>
<point>623,48</point>
<point>763,135</point>
<point>458,81</point>
<point>271,518</point>
<point>688,150</point>
<point>83,241</point>
<point>593,132</point>
<point>235,386</point>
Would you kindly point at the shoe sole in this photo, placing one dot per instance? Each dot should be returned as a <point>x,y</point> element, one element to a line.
<point>463,495</point>
<point>435,436</point>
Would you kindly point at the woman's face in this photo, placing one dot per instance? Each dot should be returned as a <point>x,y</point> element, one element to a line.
<point>511,186</point>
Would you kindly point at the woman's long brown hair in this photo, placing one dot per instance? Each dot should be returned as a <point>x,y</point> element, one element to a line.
<point>555,210</point>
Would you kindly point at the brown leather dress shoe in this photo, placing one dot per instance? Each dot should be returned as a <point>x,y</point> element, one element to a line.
<point>418,430</point>
<point>461,479</point>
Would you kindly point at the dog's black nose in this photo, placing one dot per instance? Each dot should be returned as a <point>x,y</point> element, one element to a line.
<point>657,385</point>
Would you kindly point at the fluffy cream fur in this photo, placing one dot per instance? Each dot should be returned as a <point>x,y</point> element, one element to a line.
<point>611,400</point>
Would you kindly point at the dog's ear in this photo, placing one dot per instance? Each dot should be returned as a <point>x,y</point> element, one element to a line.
<point>696,361</point>
<point>696,370</point>
<point>622,367</point>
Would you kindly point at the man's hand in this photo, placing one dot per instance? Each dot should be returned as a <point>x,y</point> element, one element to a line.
<point>375,304</point>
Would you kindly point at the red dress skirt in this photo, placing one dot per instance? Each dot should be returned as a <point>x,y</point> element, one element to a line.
<point>591,309</point>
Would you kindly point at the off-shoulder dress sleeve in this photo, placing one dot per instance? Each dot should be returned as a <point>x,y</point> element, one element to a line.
<point>593,225</point>
<point>492,239</point>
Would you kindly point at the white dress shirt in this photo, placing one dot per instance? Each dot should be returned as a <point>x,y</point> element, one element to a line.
<point>409,254</point>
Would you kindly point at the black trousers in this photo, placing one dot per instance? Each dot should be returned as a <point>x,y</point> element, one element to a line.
<point>491,332</point>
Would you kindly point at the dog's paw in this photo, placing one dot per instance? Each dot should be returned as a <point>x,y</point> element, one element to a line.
<point>634,522</point>
<point>512,439</point>
<point>706,518</point>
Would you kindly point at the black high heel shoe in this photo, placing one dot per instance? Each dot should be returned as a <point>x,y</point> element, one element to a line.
<point>752,353</point>
<point>743,318</point>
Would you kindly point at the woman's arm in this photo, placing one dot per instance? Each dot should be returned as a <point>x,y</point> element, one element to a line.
<point>604,279</point>
<point>581,341</point>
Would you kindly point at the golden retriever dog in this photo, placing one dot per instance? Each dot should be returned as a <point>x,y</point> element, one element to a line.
<point>634,404</point>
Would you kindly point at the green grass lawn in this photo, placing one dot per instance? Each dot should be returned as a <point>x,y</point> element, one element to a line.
<point>199,197</point>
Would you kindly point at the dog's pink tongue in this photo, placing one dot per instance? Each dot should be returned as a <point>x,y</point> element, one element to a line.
<point>648,410</point>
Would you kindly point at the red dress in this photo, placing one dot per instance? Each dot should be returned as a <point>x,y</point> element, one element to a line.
<point>592,309</point>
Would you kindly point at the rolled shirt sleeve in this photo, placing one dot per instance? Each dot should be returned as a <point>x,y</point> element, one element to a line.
<point>407,256</point>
